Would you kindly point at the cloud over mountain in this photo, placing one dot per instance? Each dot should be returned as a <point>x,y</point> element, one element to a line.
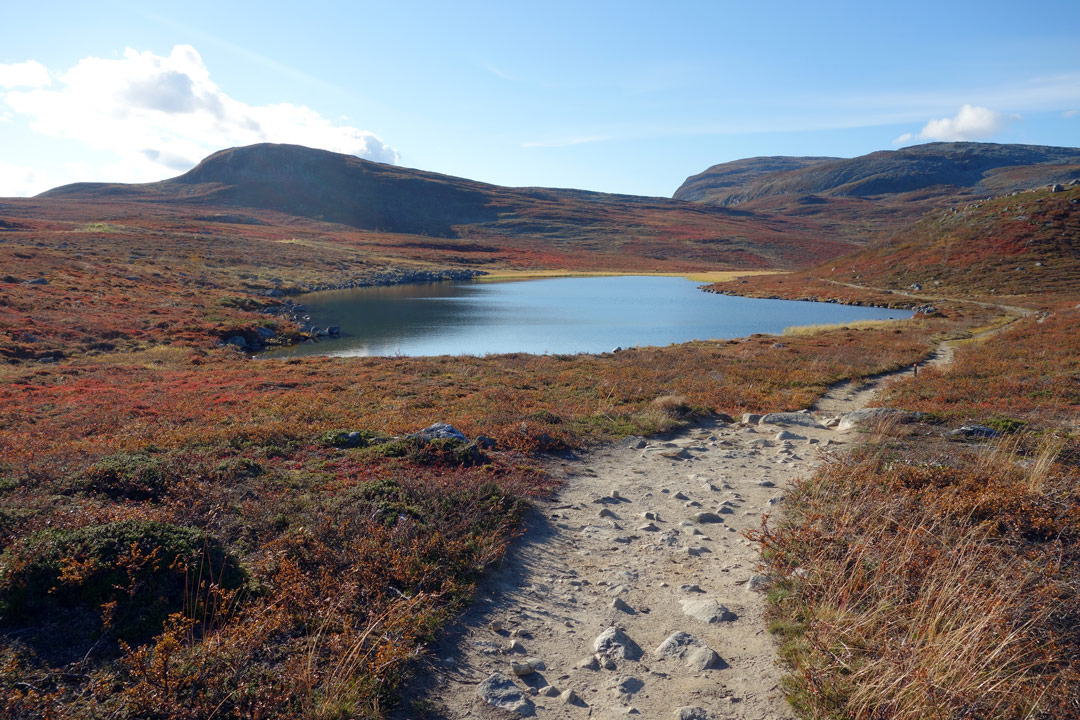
<point>971,123</point>
<point>158,115</point>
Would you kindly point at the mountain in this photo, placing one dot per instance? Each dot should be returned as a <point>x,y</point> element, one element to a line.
<point>963,168</point>
<point>719,181</point>
<point>346,190</point>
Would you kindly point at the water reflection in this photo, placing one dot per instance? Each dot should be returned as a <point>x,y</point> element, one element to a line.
<point>560,315</point>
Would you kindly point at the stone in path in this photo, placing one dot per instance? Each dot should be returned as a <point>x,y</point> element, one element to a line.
<point>695,654</point>
<point>692,713</point>
<point>790,418</point>
<point>500,691</point>
<point>707,610</point>
<point>614,643</point>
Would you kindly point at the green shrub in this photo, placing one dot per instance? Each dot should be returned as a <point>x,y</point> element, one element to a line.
<point>136,476</point>
<point>135,572</point>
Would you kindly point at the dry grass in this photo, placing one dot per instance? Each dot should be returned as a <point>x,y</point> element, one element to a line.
<point>912,591</point>
<point>797,330</point>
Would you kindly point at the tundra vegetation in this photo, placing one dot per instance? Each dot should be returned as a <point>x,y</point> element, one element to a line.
<point>187,532</point>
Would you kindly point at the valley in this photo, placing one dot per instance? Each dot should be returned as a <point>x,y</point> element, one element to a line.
<point>191,529</point>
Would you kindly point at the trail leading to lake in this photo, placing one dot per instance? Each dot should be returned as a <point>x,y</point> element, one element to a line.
<point>633,590</point>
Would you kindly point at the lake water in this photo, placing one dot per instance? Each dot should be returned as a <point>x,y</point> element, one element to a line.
<point>558,315</point>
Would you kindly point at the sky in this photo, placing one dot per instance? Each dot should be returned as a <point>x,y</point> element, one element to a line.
<point>625,97</point>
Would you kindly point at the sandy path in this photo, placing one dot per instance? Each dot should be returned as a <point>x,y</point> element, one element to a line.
<point>627,527</point>
<point>625,545</point>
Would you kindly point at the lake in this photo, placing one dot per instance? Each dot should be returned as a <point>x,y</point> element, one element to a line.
<point>555,315</point>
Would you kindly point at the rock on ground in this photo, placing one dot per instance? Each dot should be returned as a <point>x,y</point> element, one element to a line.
<point>500,691</point>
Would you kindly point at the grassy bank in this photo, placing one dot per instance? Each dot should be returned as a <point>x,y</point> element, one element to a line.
<point>930,575</point>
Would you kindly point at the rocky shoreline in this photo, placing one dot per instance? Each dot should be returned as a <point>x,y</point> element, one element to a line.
<point>296,313</point>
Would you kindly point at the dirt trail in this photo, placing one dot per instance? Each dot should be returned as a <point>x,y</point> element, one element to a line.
<point>645,537</point>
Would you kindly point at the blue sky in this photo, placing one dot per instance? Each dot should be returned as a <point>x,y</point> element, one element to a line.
<point>625,97</point>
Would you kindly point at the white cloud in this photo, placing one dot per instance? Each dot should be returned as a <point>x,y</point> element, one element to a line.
<point>1069,113</point>
<point>971,123</point>
<point>25,74</point>
<point>20,181</point>
<point>160,115</point>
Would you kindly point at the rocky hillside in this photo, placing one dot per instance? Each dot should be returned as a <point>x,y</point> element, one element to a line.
<point>720,181</point>
<point>1019,245</point>
<point>941,168</point>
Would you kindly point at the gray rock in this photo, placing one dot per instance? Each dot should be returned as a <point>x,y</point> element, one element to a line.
<point>527,666</point>
<point>614,643</point>
<point>622,606</point>
<point>691,712</point>
<point>790,418</point>
<point>751,418</point>
<point>707,610</point>
<point>441,431</point>
<point>37,281</point>
<point>693,652</point>
<point>974,431</point>
<point>501,692</point>
<point>570,697</point>
<point>589,663</point>
<point>707,517</point>
<point>549,691</point>
<point>237,341</point>
<point>634,442</point>
<point>788,435</point>
<point>758,583</point>
<point>264,333</point>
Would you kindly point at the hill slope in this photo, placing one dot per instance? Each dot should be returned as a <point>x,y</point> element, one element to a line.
<point>720,180</point>
<point>343,189</point>
<point>980,168</point>
<point>1023,245</point>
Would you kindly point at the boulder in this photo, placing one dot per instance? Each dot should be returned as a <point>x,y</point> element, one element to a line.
<point>614,643</point>
<point>442,431</point>
<point>694,653</point>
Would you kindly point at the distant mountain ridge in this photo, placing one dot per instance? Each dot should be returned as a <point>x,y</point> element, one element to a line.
<point>343,189</point>
<point>975,167</point>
